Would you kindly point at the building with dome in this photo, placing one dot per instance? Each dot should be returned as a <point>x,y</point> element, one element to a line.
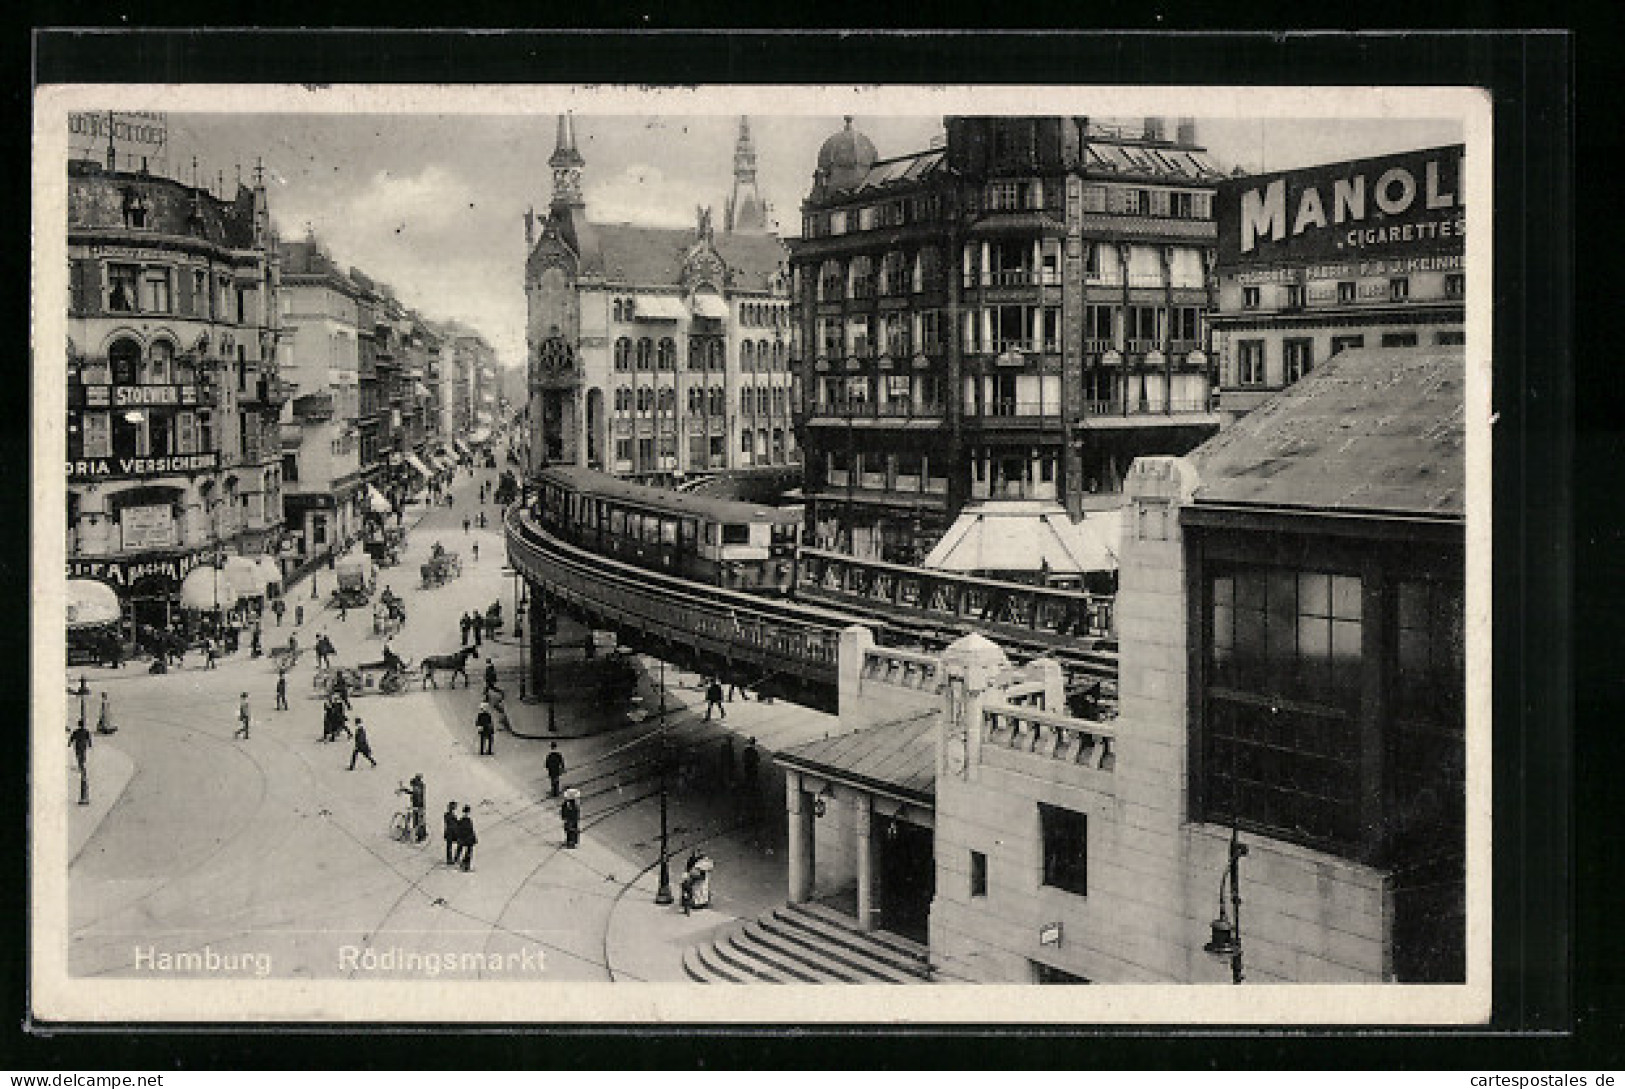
<point>656,352</point>
<point>1015,312</point>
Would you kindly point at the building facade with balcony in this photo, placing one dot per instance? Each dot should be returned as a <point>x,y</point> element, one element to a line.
<point>173,383</point>
<point>1017,313</point>
<point>1369,253</point>
<point>656,352</point>
<point>321,439</point>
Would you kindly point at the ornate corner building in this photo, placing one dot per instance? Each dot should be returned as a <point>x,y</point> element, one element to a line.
<point>1017,313</point>
<point>173,455</point>
<point>656,352</point>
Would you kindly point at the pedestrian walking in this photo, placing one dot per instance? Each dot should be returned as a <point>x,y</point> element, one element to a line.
<point>104,723</point>
<point>465,526</point>
<point>324,650</point>
<point>80,742</point>
<point>243,718</point>
<point>341,691</point>
<point>476,627</point>
<point>362,746</point>
<point>467,839</point>
<point>713,700</point>
<point>476,548</point>
<point>490,673</point>
<point>210,655</point>
<point>555,769</point>
<point>282,690</point>
<point>255,647</point>
<point>452,828</point>
<point>484,723</point>
<point>462,626</point>
<point>344,607</point>
<point>482,526</point>
<point>278,607</point>
<point>570,813</point>
<point>330,711</point>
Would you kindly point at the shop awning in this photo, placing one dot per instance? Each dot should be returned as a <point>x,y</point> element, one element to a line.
<point>90,603</point>
<point>206,588</point>
<point>268,572</point>
<point>376,501</point>
<point>658,308</point>
<point>417,465</point>
<point>710,306</point>
<point>245,577</point>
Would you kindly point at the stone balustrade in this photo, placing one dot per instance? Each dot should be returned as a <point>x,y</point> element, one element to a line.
<point>1078,741</point>
<point>915,671</point>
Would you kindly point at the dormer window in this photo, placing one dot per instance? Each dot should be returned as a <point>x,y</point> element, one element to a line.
<point>135,209</point>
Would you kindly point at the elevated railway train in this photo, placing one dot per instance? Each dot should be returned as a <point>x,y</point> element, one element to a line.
<point>736,545</point>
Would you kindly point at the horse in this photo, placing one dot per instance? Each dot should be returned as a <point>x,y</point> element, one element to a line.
<point>455,663</point>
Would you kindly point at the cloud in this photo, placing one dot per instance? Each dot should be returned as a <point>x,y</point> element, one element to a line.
<point>642,194</point>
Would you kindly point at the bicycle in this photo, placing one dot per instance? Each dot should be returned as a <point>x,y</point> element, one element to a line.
<point>405,827</point>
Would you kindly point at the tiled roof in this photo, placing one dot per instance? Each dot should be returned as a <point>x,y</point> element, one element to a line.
<point>898,757</point>
<point>96,199</point>
<point>1377,429</point>
<point>654,255</point>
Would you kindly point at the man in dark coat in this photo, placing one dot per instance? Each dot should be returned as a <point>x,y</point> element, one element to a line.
<point>555,768</point>
<point>462,625</point>
<point>81,742</point>
<point>452,830</point>
<point>362,746</point>
<point>282,690</point>
<point>570,813</point>
<point>466,839</point>
<point>490,673</point>
<point>713,700</point>
<point>487,729</point>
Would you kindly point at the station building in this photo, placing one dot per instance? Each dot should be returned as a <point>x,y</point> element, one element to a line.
<point>1015,314</point>
<point>1291,625</point>
<point>656,352</point>
<point>173,458</point>
<point>1368,253</point>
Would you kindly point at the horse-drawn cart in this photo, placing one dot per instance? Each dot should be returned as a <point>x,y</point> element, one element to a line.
<point>372,678</point>
<point>442,567</point>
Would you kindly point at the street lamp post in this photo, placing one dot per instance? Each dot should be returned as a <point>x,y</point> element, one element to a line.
<point>1226,939</point>
<point>663,895</point>
<point>83,692</point>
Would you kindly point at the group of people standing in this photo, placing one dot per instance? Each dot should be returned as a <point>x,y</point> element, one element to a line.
<point>459,836</point>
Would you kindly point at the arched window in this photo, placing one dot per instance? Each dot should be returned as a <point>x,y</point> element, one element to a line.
<point>623,398</point>
<point>696,355</point>
<point>763,354</point>
<point>666,399</point>
<point>714,355</point>
<point>645,353</point>
<point>623,354</point>
<point>861,281</point>
<point>747,357</point>
<point>124,356</point>
<point>161,362</point>
<point>666,357</point>
<point>831,281</point>
<point>718,401</point>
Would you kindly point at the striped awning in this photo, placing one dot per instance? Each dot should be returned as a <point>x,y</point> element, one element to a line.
<point>90,603</point>
<point>658,308</point>
<point>709,306</point>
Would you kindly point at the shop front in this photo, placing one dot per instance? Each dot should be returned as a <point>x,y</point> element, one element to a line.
<point>147,584</point>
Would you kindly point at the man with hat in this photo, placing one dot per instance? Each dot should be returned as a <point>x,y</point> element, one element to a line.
<point>452,831</point>
<point>487,727</point>
<point>570,812</point>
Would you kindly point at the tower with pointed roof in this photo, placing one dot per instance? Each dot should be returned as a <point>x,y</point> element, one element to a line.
<point>746,210</point>
<point>567,165</point>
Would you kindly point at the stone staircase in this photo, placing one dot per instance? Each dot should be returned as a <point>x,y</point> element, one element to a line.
<point>807,943</point>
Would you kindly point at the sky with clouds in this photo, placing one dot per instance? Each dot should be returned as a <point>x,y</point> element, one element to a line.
<point>433,204</point>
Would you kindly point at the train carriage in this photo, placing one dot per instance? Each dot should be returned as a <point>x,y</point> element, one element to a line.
<point>744,546</point>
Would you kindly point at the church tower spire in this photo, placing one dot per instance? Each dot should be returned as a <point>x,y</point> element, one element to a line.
<point>567,164</point>
<point>746,211</point>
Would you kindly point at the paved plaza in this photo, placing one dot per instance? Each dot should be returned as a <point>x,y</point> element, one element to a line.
<point>271,854</point>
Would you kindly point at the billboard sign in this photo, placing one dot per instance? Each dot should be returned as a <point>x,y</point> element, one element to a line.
<point>1391,207</point>
<point>134,136</point>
